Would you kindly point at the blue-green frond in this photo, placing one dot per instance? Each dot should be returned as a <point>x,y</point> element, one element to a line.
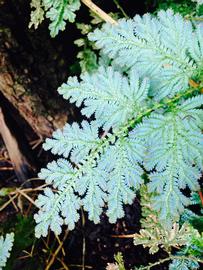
<point>6,245</point>
<point>169,202</point>
<point>57,173</point>
<point>112,97</point>
<point>175,157</point>
<point>196,47</point>
<point>61,206</point>
<point>159,47</point>
<point>192,103</point>
<point>56,209</point>
<point>121,163</point>
<point>92,187</point>
<point>73,140</point>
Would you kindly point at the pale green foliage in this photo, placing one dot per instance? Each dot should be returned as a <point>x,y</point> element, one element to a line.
<point>119,265</point>
<point>57,11</point>
<point>183,264</point>
<point>154,235</point>
<point>138,126</point>
<point>112,97</point>
<point>37,15</point>
<point>5,248</point>
<point>186,239</point>
<point>166,49</point>
<point>74,141</point>
<point>94,181</point>
<point>86,55</point>
<point>174,143</point>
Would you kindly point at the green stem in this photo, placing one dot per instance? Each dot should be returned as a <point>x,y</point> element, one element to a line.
<point>123,131</point>
<point>167,103</point>
<point>200,19</point>
<point>121,9</point>
<point>171,257</point>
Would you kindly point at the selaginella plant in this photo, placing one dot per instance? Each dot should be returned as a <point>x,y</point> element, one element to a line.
<point>147,119</point>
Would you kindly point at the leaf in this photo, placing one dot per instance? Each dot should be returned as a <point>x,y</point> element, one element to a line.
<point>37,15</point>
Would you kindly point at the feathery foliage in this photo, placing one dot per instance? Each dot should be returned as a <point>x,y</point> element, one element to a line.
<point>154,235</point>
<point>183,264</point>
<point>160,48</point>
<point>57,11</point>
<point>5,248</point>
<point>147,118</point>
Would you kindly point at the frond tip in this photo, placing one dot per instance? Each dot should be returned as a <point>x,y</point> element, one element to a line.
<point>164,48</point>
<point>5,248</point>
<point>74,141</point>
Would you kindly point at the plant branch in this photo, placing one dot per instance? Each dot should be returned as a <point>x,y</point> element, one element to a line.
<point>99,12</point>
<point>121,9</point>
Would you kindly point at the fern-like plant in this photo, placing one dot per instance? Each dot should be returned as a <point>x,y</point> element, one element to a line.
<point>148,118</point>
